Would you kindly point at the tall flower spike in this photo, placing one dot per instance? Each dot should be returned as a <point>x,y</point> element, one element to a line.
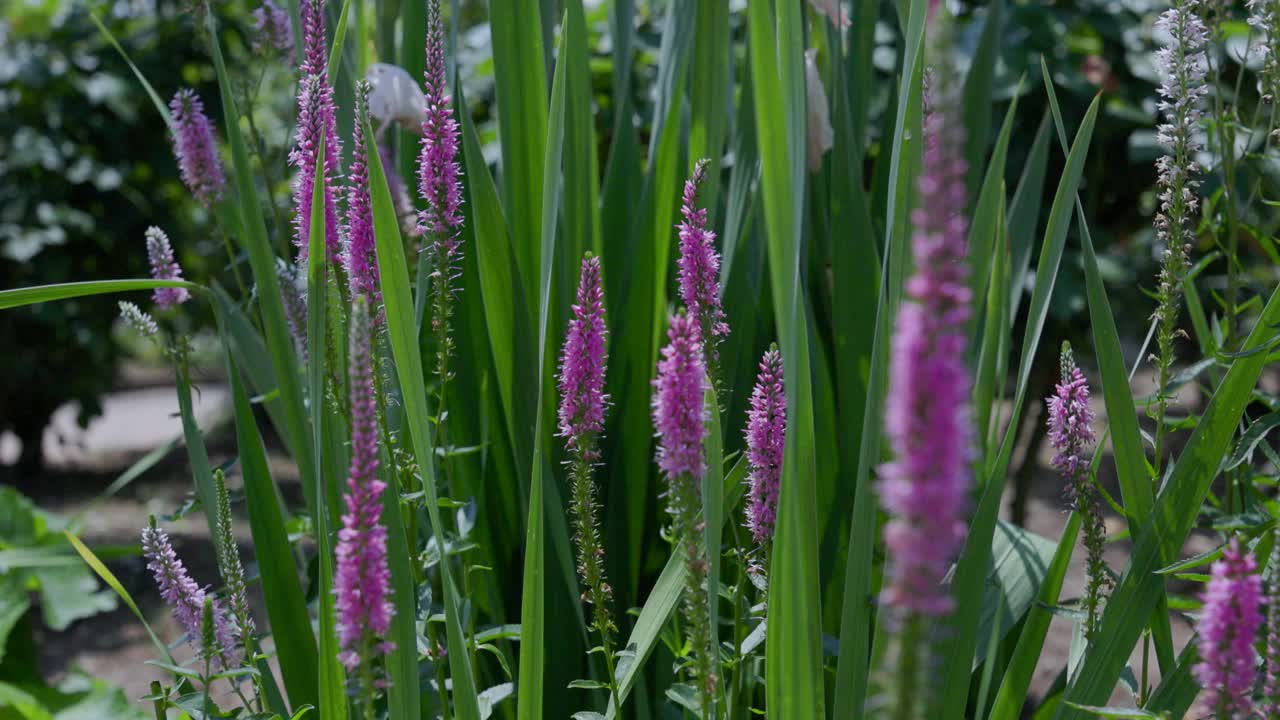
<point>766,437</point>
<point>439,185</point>
<point>196,148</point>
<point>927,415</point>
<point>582,362</point>
<point>1264,18</point>
<point>164,267</point>
<point>582,406</point>
<point>1183,67</point>
<point>361,256</point>
<point>362,579</point>
<point>229,566</point>
<point>272,30</point>
<point>187,599</point>
<point>679,414</point>
<point>316,120</point>
<point>699,265</point>
<point>1228,624</point>
<point>1071,433</point>
<point>314,43</point>
<point>438,171</point>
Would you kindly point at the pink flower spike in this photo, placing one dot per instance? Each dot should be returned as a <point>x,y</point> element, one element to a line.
<point>196,148</point>
<point>583,360</point>
<point>186,598</point>
<point>679,403</point>
<point>699,265</point>
<point>314,43</point>
<point>925,489</point>
<point>164,267</point>
<point>1228,623</point>
<point>316,119</point>
<point>766,437</point>
<point>362,578</point>
<point>438,170</point>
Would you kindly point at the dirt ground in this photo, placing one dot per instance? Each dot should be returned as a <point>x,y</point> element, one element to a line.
<point>142,416</point>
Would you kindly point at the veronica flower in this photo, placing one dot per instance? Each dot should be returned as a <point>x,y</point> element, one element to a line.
<point>272,29</point>
<point>316,120</point>
<point>164,267</point>
<point>582,406</point>
<point>439,185</point>
<point>314,44</point>
<point>1228,622</point>
<point>1183,67</point>
<point>196,148</point>
<point>925,489</point>
<point>679,414</point>
<point>1071,434</point>
<point>362,579</point>
<point>141,322</point>
<point>360,256</point>
<point>699,265</point>
<point>766,437</point>
<point>186,599</point>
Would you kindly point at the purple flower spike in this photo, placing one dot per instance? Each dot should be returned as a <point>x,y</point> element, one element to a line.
<point>314,43</point>
<point>927,416</point>
<point>582,362</point>
<point>272,32</point>
<point>196,149</point>
<point>1271,684</point>
<point>164,267</point>
<point>438,171</point>
<point>187,599</point>
<point>766,437</point>
<point>679,403</point>
<point>699,267</point>
<point>1228,623</point>
<point>1070,420</point>
<point>362,579</point>
<point>360,256</point>
<point>316,119</point>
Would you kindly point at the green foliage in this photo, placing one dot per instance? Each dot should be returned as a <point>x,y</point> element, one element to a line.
<point>817,248</point>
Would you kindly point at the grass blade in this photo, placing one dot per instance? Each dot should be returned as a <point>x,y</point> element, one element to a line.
<point>18,297</point>
<point>281,587</point>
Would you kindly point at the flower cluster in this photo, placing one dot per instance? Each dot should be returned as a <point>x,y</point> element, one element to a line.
<point>164,267</point>
<point>438,172</point>
<point>187,600</point>
<point>766,438</point>
<point>1264,18</point>
<point>699,266</point>
<point>196,148</point>
<point>1071,434</point>
<point>317,122</point>
<point>927,416</point>
<point>272,31</point>
<point>362,578</point>
<point>1228,623</point>
<point>360,254</point>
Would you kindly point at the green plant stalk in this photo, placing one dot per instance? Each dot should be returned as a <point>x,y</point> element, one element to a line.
<point>689,527</point>
<point>907,677</point>
<point>591,552</point>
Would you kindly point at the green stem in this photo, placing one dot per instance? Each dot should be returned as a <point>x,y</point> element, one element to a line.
<point>909,651</point>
